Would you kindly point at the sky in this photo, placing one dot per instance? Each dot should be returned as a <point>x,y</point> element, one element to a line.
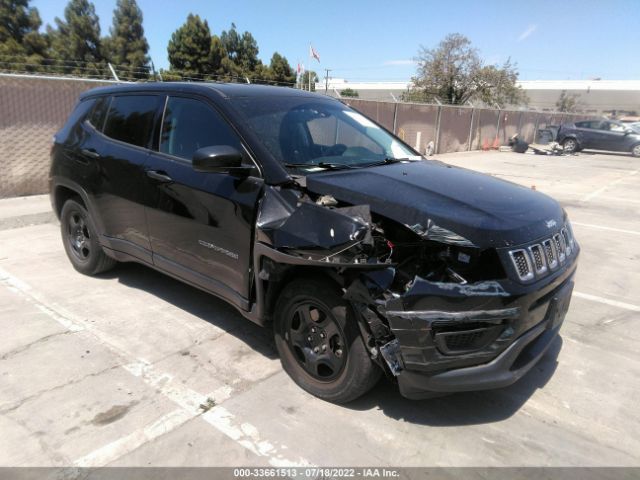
<point>375,40</point>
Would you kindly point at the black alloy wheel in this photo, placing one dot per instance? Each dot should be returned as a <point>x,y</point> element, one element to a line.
<point>317,341</point>
<point>80,240</point>
<point>317,336</point>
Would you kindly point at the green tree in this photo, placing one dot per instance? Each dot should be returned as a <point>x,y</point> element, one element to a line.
<point>349,92</point>
<point>190,47</point>
<point>127,47</point>
<point>217,56</point>
<point>568,102</point>
<point>304,80</point>
<point>76,42</point>
<point>454,73</point>
<point>22,46</point>
<point>280,70</point>
<point>242,50</point>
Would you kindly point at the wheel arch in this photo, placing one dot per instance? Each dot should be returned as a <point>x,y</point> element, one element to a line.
<point>63,189</point>
<point>287,274</point>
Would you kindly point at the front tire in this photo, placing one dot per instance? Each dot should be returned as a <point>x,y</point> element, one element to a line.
<point>570,145</point>
<point>635,151</point>
<point>80,240</point>
<point>319,342</point>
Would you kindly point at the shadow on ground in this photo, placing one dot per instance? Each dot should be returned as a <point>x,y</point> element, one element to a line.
<point>451,410</point>
<point>208,307</point>
<point>468,408</point>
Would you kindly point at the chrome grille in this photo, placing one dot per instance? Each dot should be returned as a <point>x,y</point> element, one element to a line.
<point>558,241</point>
<point>538,259</point>
<point>522,263</point>
<point>550,253</point>
<point>539,262</point>
<point>567,241</point>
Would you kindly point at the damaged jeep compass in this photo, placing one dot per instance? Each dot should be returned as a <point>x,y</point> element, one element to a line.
<point>365,258</point>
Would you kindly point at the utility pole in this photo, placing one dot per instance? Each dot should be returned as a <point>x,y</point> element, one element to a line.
<point>326,80</point>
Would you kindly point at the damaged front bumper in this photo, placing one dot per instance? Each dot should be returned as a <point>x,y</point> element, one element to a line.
<point>452,338</point>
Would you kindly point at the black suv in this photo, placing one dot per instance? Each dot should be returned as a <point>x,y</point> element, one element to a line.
<point>364,257</point>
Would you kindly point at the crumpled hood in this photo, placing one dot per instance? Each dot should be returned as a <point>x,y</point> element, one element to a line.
<point>485,210</point>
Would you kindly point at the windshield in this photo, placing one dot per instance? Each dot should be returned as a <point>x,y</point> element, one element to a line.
<point>314,135</point>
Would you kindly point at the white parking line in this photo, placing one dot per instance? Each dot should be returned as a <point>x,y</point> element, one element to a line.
<point>248,436</point>
<point>607,301</point>
<point>597,192</point>
<point>188,400</point>
<point>602,227</point>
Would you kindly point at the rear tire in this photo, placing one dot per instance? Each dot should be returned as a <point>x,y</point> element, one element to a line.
<point>570,145</point>
<point>319,342</point>
<point>80,240</point>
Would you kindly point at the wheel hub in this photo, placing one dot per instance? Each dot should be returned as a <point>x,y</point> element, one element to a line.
<point>79,236</point>
<point>316,341</point>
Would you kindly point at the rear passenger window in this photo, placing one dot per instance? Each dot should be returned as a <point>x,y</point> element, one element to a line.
<point>70,132</point>
<point>190,124</point>
<point>130,119</point>
<point>99,112</point>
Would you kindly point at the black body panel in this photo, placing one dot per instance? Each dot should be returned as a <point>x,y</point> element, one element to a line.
<point>487,211</point>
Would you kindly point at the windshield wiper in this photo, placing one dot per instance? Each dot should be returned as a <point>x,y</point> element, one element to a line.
<point>386,161</point>
<point>325,165</point>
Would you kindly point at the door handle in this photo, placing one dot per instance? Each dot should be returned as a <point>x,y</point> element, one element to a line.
<point>159,176</point>
<point>89,152</point>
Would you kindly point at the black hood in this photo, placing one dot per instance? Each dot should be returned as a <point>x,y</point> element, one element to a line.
<point>485,210</point>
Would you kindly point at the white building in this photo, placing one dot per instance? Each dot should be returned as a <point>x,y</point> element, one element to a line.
<point>594,96</point>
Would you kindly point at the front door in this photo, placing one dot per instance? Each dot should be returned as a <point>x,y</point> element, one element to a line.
<point>201,224</point>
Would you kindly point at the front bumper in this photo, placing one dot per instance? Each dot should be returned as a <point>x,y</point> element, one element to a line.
<point>518,328</point>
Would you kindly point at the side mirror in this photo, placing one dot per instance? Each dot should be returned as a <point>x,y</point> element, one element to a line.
<point>218,159</point>
<point>627,131</point>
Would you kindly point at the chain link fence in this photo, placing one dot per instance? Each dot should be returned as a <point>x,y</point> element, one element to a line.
<point>34,108</point>
<point>454,128</point>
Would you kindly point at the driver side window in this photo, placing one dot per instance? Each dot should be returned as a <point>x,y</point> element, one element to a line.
<point>189,125</point>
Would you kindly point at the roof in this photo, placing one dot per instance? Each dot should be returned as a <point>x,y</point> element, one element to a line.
<point>225,90</point>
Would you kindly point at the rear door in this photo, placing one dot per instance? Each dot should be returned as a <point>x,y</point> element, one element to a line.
<point>119,153</point>
<point>588,133</point>
<point>201,224</point>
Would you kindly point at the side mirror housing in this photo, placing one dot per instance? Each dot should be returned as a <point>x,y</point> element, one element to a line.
<point>218,159</point>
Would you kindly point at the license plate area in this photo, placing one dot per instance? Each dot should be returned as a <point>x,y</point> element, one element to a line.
<point>559,306</point>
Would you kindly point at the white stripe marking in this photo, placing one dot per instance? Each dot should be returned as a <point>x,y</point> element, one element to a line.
<point>607,301</point>
<point>19,287</point>
<point>116,449</point>
<point>602,227</point>
<point>248,436</point>
<point>189,400</point>
<point>597,192</point>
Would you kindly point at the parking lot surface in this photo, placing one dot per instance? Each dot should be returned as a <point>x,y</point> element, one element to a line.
<point>134,368</point>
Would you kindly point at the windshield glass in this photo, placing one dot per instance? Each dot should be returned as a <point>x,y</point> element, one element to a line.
<point>313,135</point>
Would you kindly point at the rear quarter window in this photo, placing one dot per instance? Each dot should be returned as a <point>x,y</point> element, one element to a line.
<point>99,113</point>
<point>131,117</point>
<point>70,129</point>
